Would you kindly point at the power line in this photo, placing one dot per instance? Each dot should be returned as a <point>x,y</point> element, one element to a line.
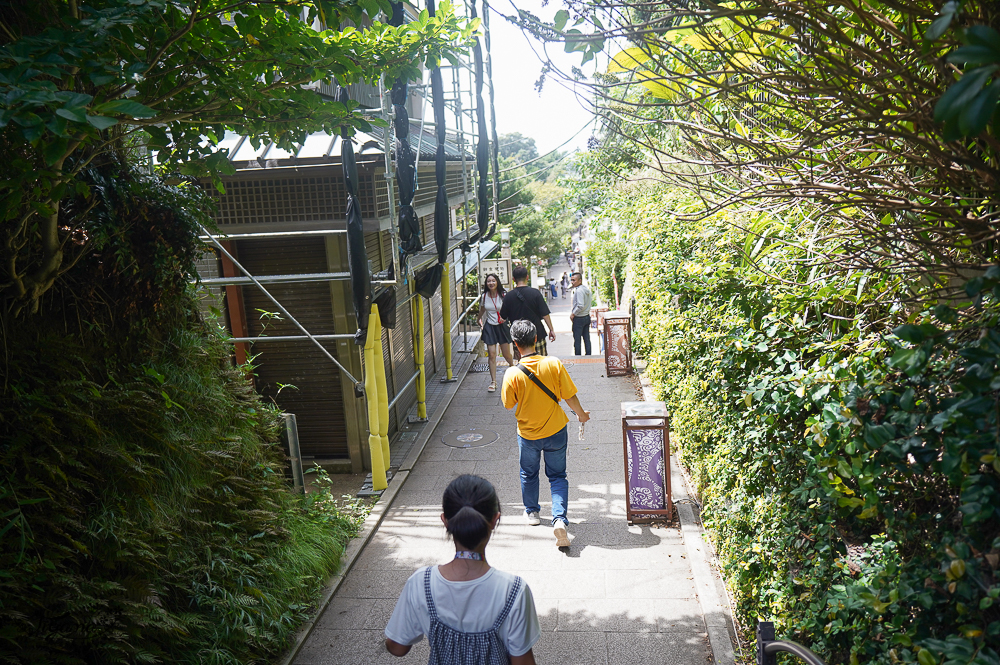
<point>544,168</point>
<point>514,194</point>
<point>517,166</point>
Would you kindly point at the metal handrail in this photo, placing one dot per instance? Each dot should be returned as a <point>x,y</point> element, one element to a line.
<point>402,390</point>
<point>285,338</point>
<point>302,278</point>
<point>462,318</point>
<point>768,647</point>
<point>805,653</point>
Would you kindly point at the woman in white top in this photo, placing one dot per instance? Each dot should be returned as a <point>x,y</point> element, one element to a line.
<point>495,330</point>
<point>472,614</point>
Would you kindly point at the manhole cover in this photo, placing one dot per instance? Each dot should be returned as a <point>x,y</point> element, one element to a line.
<point>470,438</point>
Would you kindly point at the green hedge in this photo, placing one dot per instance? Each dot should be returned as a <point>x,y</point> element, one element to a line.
<point>843,436</point>
<point>145,512</point>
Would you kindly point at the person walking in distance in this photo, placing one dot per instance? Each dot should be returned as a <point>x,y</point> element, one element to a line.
<point>536,387</point>
<point>552,287</point>
<point>496,330</point>
<point>580,313</point>
<point>564,281</point>
<point>526,303</point>
<point>472,614</point>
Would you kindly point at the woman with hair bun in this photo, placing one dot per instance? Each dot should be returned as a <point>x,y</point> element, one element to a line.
<point>472,614</point>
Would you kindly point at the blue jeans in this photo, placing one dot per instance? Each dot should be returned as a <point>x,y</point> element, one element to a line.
<point>554,448</point>
<point>581,331</point>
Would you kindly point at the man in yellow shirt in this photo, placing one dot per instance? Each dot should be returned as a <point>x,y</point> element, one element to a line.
<point>541,425</point>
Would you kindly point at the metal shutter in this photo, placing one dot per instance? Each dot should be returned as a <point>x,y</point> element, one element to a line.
<point>390,384</point>
<point>316,401</point>
<point>438,330</point>
<point>403,364</point>
<point>427,190</point>
<point>374,250</point>
<point>427,231</point>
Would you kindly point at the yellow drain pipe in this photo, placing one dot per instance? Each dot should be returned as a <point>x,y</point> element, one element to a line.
<point>383,393</point>
<point>379,481</point>
<point>418,354</point>
<point>446,311</point>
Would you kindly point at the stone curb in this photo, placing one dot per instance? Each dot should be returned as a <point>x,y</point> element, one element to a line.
<point>716,610</point>
<point>357,544</point>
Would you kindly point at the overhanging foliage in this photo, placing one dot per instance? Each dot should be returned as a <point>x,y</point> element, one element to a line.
<point>877,117</point>
<point>79,80</point>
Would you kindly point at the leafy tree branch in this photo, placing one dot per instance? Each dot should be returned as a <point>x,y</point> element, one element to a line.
<point>79,81</point>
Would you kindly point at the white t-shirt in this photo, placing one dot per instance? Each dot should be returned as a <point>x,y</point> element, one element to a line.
<point>491,306</point>
<point>470,607</point>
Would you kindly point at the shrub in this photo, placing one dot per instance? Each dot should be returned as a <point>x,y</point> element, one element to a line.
<point>146,517</point>
<point>843,436</point>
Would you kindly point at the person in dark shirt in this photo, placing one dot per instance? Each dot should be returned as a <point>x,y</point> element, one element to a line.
<point>524,302</point>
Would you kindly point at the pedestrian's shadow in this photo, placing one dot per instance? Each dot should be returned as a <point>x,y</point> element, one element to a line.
<point>617,534</point>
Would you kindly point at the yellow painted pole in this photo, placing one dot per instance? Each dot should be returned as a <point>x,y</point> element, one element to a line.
<point>446,311</point>
<point>383,392</point>
<point>379,481</point>
<point>418,353</point>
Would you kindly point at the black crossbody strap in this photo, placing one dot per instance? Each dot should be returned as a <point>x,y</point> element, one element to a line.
<point>537,381</point>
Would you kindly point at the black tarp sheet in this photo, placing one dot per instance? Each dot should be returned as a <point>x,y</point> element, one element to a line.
<point>357,257</point>
<point>493,117</point>
<point>442,216</point>
<point>429,279</point>
<point>483,144</point>
<point>385,300</point>
<point>406,177</point>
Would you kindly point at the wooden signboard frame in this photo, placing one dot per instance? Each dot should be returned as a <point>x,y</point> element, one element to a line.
<point>646,434</point>
<point>617,345</point>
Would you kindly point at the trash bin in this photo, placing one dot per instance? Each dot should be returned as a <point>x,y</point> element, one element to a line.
<point>617,343</point>
<point>646,443</point>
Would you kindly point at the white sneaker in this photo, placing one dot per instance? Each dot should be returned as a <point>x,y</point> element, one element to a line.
<point>562,536</point>
<point>533,519</point>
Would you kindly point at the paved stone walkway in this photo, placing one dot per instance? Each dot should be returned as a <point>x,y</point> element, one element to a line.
<point>620,594</point>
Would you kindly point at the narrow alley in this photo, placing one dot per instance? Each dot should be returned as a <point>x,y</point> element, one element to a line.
<point>621,594</point>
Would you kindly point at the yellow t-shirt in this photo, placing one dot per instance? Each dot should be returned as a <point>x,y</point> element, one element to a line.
<point>538,415</point>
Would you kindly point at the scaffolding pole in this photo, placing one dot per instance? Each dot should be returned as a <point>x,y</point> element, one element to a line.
<point>418,356</point>
<point>446,320</point>
<point>379,462</point>
<point>390,173</point>
<point>358,388</point>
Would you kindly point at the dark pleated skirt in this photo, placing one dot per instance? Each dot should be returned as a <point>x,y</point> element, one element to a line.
<point>496,334</point>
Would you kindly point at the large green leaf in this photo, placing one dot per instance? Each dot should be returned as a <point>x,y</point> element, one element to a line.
<point>101,122</point>
<point>627,60</point>
<point>980,110</point>
<point>962,92</point>
<point>943,20</point>
<point>657,85</point>
<point>126,107</point>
